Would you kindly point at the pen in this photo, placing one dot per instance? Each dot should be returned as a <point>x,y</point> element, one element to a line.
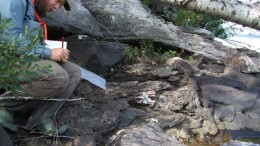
<point>62,42</point>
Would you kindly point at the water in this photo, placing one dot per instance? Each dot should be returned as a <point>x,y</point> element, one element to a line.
<point>241,143</point>
<point>243,137</point>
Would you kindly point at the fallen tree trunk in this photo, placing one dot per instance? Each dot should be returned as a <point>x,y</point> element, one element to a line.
<point>246,14</point>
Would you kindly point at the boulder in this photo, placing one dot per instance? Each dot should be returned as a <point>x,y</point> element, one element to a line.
<point>142,135</point>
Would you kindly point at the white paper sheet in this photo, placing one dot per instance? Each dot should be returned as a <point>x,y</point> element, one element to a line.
<point>93,78</point>
<point>55,44</point>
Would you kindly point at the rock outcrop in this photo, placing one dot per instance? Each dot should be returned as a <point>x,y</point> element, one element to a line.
<point>143,98</point>
<point>148,104</point>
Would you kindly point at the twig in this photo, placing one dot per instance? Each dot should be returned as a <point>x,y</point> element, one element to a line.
<point>43,136</point>
<point>6,97</point>
<point>109,32</point>
<point>6,93</point>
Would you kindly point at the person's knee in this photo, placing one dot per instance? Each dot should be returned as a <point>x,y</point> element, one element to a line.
<point>74,72</point>
<point>77,74</point>
<point>61,81</point>
<point>57,83</point>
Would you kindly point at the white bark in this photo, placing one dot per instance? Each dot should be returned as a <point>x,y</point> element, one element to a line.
<point>232,10</point>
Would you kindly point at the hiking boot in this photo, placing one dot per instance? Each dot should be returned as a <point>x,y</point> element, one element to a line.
<point>51,129</point>
<point>7,120</point>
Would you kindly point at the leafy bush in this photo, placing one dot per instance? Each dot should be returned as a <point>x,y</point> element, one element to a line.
<point>15,61</point>
<point>193,19</point>
<point>147,52</point>
<point>145,2</point>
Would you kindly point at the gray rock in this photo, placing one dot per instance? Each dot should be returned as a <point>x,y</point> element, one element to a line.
<point>199,31</point>
<point>184,134</point>
<point>163,72</point>
<point>247,65</point>
<point>181,65</point>
<point>195,124</point>
<point>225,95</point>
<point>154,86</point>
<point>142,135</point>
<point>184,98</point>
<point>77,21</point>
<point>170,121</point>
<point>165,11</point>
<point>210,127</point>
<point>129,115</point>
<point>226,113</point>
<point>94,55</point>
<point>174,78</point>
<point>84,141</point>
<point>130,20</point>
<point>243,121</point>
<point>255,110</point>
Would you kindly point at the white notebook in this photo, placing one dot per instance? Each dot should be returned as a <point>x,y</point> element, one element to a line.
<point>55,44</point>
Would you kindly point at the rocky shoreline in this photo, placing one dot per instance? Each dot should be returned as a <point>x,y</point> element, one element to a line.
<point>175,103</point>
<point>170,104</point>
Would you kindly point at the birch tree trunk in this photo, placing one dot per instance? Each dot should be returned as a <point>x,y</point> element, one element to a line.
<point>246,14</point>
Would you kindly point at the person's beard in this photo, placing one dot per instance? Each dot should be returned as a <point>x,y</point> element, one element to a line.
<point>40,7</point>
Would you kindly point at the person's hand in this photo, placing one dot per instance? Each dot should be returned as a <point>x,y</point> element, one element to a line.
<point>60,55</point>
<point>65,55</point>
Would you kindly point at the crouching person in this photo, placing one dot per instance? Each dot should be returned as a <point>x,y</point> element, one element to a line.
<point>58,84</point>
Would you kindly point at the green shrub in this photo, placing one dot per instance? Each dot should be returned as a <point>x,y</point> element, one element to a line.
<point>131,53</point>
<point>15,60</point>
<point>193,19</point>
<point>145,2</point>
<point>147,52</point>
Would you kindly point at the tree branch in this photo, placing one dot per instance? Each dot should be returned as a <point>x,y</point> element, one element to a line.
<point>9,96</point>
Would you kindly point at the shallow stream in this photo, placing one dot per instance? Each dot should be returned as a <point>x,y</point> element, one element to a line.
<point>245,137</point>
